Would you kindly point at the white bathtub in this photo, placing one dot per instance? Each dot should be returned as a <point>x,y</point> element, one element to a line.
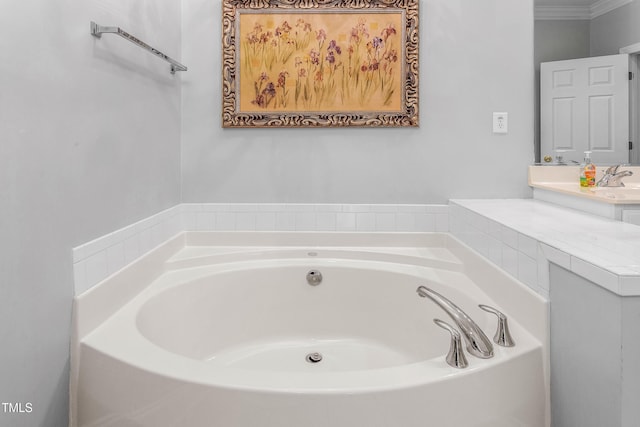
<point>221,338</point>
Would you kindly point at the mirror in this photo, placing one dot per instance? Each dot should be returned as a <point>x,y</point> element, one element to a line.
<point>573,29</point>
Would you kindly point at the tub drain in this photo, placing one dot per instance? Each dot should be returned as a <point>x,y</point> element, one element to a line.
<point>314,277</point>
<point>314,357</point>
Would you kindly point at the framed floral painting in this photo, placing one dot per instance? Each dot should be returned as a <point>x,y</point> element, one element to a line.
<point>320,63</point>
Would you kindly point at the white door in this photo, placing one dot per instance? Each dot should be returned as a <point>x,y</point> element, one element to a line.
<point>584,105</point>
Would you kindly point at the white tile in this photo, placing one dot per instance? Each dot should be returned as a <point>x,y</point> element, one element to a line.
<point>527,270</point>
<point>480,243</point>
<point>173,226</point>
<point>527,246</point>
<point>270,207</point>
<point>629,285</point>
<point>146,241</point>
<point>245,221</point>
<point>412,208</point>
<point>437,209</point>
<point>383,208</point>
<point>266,221</point>
<point>405,221</point>
<point>327,207</point>
<point>285,221</point>
<point>510,260</point>
<point>131,248</point>
<point>494,250</point>
<point>455,225</point>
<point>346,221</point>
<point>326,221</point>
<point>157,237</point>
<point>115,257</point>
<point>425,222</point>
<point>366,221</point>
<point>205,221</point>
<point>495,230</point>
<point>356,208</point>
<point>79,277</point>
<point>216,207</point>
<point>225,221</point>
<point>243,207</point>
<point>306,221</point>
<point>300,207</point>
<point>543,269</point>
<point>509,237</point>
<point>556,256</point>
<point>189,221</point>
<point>442,222</point>
<point>454,211</point>
<point>385,221</point>
<point>190,207</point>
<point>595,274</point>
<point>96,268</point>
<point>479,222</point>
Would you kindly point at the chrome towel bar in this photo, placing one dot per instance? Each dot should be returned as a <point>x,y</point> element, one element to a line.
<point>98,30</point>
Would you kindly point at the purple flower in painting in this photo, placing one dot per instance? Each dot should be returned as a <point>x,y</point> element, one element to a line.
<point>282,78</point>
<point>377,43</point>
<point>269,90</point>
<point>259,101</point>
<point>321,35</point>
<point>330,58</point>
<point>390,30</point>
<point>333,47</point>
<point>314,56</point>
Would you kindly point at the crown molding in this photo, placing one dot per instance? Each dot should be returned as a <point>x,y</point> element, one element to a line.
<point>603,6</point>
<point>561,13</point>
<point>558,12</point>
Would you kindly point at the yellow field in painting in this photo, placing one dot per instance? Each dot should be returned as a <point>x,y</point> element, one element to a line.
<point>320,62</point>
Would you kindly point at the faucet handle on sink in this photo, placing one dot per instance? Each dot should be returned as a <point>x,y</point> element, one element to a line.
<point>502,336</point>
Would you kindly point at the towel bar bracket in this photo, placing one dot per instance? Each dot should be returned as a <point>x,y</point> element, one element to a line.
<point>98,30</point>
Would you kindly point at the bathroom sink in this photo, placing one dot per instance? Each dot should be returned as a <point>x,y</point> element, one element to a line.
<point>565,180</point>
<point>628,192</point>
<point>560,185</point>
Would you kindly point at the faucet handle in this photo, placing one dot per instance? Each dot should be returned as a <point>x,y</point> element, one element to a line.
<point>502,336</point>
<point>612,170</point>
<point>455,357</point>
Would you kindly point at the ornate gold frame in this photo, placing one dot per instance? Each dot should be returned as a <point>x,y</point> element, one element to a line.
<point>261,112</point>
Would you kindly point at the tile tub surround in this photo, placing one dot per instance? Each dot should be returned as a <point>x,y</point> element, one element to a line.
<point>524,235</point>
<point>98,259</point>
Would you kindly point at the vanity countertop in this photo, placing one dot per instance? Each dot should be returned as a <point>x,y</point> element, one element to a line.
<point>565,180</point>
<point>603,250</point>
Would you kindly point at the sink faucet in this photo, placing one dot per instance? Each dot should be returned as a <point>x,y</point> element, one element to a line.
<point>477,342</point>
<point>613,178</point>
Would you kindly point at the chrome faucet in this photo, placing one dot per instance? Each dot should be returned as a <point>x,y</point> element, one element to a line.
<point>613,178</point>
<point>477,342</point>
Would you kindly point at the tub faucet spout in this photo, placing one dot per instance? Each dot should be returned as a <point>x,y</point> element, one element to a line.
<point>477,342</point>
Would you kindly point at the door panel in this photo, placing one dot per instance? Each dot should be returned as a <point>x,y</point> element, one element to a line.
<point>584,106</point>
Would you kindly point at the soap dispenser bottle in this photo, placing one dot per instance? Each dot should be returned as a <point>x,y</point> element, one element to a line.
<point>587,171</point>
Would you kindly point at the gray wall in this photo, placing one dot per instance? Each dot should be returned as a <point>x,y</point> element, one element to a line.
<point>89,142</point>
<point>556,40</point>
<point>616,29</point>
<point>467,71</point>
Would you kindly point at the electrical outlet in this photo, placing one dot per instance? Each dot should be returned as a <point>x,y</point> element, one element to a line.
<point>500,122</point>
